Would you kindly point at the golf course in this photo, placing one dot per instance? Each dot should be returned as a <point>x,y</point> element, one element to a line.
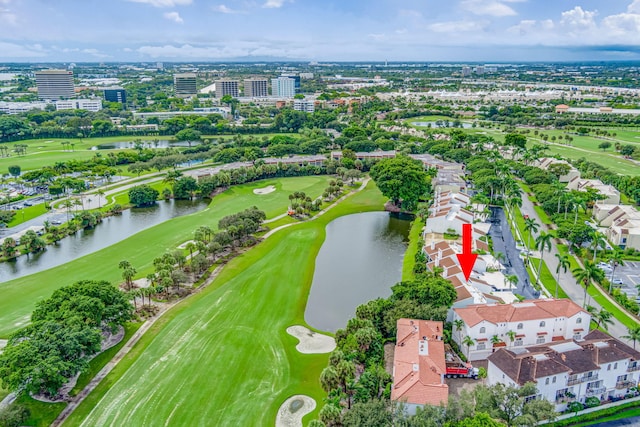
<point>20,295</point>
<point>223,356</point>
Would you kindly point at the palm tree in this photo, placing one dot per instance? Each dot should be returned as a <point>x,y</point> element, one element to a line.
<point>542,241</point>
<point>603,317</point>
<point>495,340</point>
<point>530,226</point>
<point>634,335</point>
<point>100,193</point>
<point>458,324</point>
<point>616,260</point>
<point>512,279</point>
<point>68,204</point>
<point>563,264</point>
<point>512,336</point>
<point>586,275</point>
<point>597,240</point>
<point>468,342</point>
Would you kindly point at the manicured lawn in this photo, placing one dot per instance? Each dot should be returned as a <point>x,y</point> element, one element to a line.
<point>410,255</point>
<point>548,279</point>
<point>543,215</point>
<point>19,296</point>
<point>42,413</point>
<point>25,214</point>
<point>635,412</point>
<point>222,356</point>
<point>607,159</point>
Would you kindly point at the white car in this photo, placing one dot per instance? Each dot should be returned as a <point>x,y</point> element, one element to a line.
<point>617,282</point>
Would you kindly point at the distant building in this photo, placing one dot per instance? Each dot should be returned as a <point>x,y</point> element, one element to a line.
<point>296,79</point>
<point>306,105</point>
<point>185,84</point>
<point>562,108</point>
<point>163,115</point>
<point>283,87</point>
<point>79,104</point>
<point>55,84</point>
<point>466,71</point>
<point>256,88</point>
<point>227,87</point>
<point>21,107</point>
<point>115,95</point>
<point>159,66</point>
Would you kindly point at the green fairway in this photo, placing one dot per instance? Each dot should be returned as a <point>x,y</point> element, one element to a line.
<point>20,295</point>
<point>223,357</point>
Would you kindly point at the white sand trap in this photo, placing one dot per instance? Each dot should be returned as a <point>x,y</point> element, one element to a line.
<point>141,283</point>
<point>265,190</point>
<point>311,342</point>
<point>3,343</point>
<point>293,409</point>
<point>184,245</point>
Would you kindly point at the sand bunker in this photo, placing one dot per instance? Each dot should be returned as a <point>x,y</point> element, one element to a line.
<point>311,342</point>
<point>293,409</point>
<point>266,190</point>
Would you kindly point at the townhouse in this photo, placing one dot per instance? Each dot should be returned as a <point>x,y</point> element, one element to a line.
<point>612,196</point>
<point>622,222</point>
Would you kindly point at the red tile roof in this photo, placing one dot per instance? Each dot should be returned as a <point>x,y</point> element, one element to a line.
<point>419,364</point>
<point>528,310</point>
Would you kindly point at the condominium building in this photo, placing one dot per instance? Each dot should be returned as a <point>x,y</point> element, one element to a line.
<point>55,84</point>
<point>185,84</point>
<point>306,105</point>
<point>283,87</point>
<point>227,87</point>
<point>598,366</point>
<point>256,88</point>
<point>79,104</point>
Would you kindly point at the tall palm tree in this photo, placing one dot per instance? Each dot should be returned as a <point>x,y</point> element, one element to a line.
<point>543,241</point>
<point>458,324</point>
<point>597,240</point>
<point>563,264</point>
<point>586,275</point>
<point>604,318</point>
<point>468,342</point>
<point>616,260</point>
<point>530,227</point>
<point>634,335</point>
<point>100,193</point>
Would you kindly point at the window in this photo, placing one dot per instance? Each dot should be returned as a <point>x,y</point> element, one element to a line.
<point>554,380</point>
<point>481,346</point>
<point>520,326</point>
<point>518,342</point>
<point>579,320</point>
<point>483,330</point>
<point>542,324</point>
<point>540,339</point>
<point>615,365</point>
<point>577,336</point>
<point>609,367</point>
<point>546,382</point>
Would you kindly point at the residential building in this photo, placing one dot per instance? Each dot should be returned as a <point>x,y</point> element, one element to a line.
<point>283,87</point>
<point>622,222</point>
<point>612,196</point>
<point>79,104</point>
<point>598,366</point>
<point>256,88</point>
<point>545,162</point>
<point>419,365</point>
<point>55,84</point>
<point>184,85</point>
<point>518,325</point>
<point>296,79</point>
<point>227,87</point>
<point>306,105</point>
<point>116,94</point>
<point>163,115</point>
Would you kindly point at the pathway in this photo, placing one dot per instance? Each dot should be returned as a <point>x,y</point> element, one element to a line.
<point>568,283</point>
<point>79,398</point>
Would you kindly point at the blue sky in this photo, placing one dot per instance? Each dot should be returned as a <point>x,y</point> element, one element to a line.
<point>319,30</point>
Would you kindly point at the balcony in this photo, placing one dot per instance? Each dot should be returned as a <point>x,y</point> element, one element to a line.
<point>633,368</point>
<point>581,379</point>
<point>625,384</point>
<point>565,399</point>
<point>594,391</point>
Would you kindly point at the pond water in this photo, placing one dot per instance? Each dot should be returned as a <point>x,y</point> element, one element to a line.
<point>442,124</point>
<point>161,143</point>
<point>112,230</point>
<point>360,259</point>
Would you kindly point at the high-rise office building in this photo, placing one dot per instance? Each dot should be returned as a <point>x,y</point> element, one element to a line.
<point>55,84</point>
<point>283,87</point>
<point>255,88</point>
<point>296,78</point>
<point>185,84</point>
<point>226,87</point>
<point>115,94</point>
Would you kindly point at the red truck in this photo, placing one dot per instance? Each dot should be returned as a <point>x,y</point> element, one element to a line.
<point>461,371</point>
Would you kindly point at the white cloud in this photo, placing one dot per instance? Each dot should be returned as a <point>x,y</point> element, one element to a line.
<point>634,7</point>
<point>12,50</point>
<point>274,4</point>
<point>579,18</point>
<point>221,8</point>
<point>174,16</point>
<point>456,26</point>
<point>224,50</point>
<point>490,8</point>
<point>95,52</point>
<point>7,17</point>
<point>164,3</point>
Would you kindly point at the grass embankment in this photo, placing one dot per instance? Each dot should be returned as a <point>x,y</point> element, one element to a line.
<point>409,260</point>
<point>225,356</point>
<point>27,213</point>
<point>20,295</point>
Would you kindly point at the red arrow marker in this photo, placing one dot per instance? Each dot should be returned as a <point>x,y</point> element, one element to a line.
<point>466,258</point>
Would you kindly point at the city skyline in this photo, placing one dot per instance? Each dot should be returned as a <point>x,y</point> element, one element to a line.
<point>303,30</point>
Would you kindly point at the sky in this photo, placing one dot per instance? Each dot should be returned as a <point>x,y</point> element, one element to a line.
<point>319,30</point>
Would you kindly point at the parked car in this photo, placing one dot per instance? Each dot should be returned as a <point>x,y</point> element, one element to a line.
<point>617,282</point>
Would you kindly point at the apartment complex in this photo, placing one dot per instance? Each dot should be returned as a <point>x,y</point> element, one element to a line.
<point>283,87</point>
<point>306,105</point>
<point>55,84</point>
<point>528,323</point>
<point>79,104</point>
<point>184,84</point>
<point>597,366</point>
<point>256,88</point>
<point>622,222</point>
<point>419,364</point>
<point>227,87</point>
<point>612,196</point>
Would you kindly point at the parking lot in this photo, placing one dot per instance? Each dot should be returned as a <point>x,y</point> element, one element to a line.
<point>629,273</point>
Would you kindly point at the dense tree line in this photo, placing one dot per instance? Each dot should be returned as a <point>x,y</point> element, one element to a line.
<point>65,331</point>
